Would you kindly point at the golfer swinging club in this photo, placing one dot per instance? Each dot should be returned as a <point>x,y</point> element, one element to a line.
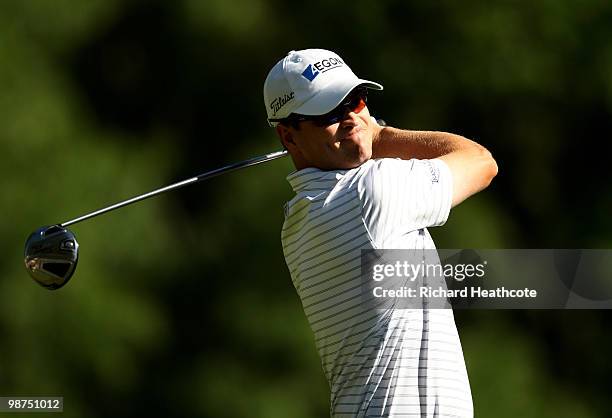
<point>359,186</point>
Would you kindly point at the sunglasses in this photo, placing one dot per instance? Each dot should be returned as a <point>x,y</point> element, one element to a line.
<point>356,101</point>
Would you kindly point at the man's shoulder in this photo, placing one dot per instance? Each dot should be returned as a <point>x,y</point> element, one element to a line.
<point>399,170</point>
<point>376,165</point>
<point>375,171</point>
<point>314,185</point>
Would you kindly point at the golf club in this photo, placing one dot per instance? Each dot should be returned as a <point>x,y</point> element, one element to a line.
<point>51,252</point>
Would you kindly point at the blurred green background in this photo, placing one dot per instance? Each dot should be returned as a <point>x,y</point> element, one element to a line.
<point>182,306</point>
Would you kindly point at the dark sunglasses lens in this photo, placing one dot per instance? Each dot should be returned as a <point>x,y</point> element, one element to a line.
<point>354,103</point>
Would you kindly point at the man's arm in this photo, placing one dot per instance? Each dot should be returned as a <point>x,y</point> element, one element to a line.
<point>472,165</point>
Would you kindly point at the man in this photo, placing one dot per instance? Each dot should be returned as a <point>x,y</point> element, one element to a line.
<point>359,186</point>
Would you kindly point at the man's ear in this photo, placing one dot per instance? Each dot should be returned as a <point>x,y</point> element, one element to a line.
<point>286,138</point>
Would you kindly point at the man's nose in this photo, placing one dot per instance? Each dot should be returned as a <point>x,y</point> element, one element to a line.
<point>350,119</point>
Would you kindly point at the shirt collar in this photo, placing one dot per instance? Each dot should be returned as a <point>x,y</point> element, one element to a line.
<point>309,177</point>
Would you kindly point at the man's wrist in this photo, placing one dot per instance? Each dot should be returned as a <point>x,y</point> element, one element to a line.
<point>385,142</point>
<point>377,134</point>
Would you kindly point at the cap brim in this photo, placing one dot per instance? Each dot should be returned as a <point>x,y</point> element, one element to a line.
<point>328,98</point>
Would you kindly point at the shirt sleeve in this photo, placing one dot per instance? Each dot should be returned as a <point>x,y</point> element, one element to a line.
<point>401,196</point>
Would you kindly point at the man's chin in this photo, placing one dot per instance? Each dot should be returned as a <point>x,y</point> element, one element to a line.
<point>358,157</point>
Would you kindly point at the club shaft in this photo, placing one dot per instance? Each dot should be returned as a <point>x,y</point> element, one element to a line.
<point>178,185</point>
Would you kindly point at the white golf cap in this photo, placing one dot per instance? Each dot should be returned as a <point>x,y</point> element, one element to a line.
<point>309,82</point>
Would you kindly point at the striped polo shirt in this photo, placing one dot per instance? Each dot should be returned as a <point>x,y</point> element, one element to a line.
<point>390,362</point>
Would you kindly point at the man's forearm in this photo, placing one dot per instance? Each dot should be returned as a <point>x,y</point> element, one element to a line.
<point>399,143</point>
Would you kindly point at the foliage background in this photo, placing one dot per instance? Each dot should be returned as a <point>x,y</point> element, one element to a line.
<point>182,306</point>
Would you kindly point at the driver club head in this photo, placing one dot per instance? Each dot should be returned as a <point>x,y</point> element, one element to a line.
<point>51,255</point>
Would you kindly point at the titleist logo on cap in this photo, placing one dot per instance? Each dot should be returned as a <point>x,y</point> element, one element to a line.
<point>279,102</point>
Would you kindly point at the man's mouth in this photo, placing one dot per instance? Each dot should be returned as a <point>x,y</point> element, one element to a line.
<point>352,135</point>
